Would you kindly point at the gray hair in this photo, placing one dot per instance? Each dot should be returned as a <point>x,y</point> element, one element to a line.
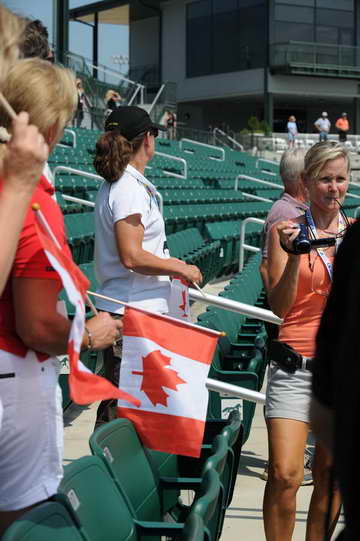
<point>318,155</point>
<point>292,166</point>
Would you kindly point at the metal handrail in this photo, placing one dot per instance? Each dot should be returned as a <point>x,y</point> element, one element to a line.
<point>97,177</point>
<point>222,387</point>
<point>182,160</point>
<point>75,172</point>
<point>256,197</point>
<point>272,162</point>
<point>222,150</point>
<point>357,212</point>
<point>131,100</point>
<point>234,141</point>
<point>67,130</point>
<point>159,92</point>
<point>349,194</point>
<point>235,306</point>
<point>243,245</point>
<point>260,181</point>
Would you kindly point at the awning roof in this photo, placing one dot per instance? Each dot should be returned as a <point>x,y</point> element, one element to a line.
<point>117,15</point>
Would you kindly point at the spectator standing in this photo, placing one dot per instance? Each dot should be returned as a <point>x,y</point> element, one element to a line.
<point>342,125</point>
<point>292,131</point>
<point>171,124</point>
<point>323,126</point>
<point>81,104</point>
<point>131,259</point>
<point>23,157</point>
<point>298,289</point>
<point>32,332</point>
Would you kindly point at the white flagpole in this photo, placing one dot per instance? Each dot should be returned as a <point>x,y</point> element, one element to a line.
<point>169,318</point>
<point>6,105</point>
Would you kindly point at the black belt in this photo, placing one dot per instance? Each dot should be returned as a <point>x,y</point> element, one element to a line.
<point>287,358</point>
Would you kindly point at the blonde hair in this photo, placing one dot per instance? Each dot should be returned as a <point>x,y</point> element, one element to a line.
<point>11,33</point>
<point>45,91</point>
<point>110,94</point>
<point>318,155</point>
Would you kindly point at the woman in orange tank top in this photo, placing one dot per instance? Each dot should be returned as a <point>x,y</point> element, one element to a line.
<point>298,288</point>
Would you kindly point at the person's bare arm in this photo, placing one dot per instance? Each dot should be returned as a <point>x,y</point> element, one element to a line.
<point>42,328</point>
<point>283,269</point>
<point>129,234</point>
<point>263,269</point>
<point>20,170</point>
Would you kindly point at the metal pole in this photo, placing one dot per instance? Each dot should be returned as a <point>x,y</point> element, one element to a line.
<point>235,306</point>
<point>95,58</point>
<point>244,246</point>
<point>193,142</point>
<point>182,160</point>
<point>258,180</point>
<point>234,390</point>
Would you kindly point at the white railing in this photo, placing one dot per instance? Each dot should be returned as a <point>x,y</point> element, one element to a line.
<point>91,204</point>
<point>256,197</point>
<point>271,173</point>
<point>243,245</point>
<point>349,194</point>
<point>258,180</point>
<point>155,100</point>
<point>272,162</point>
<point>182,160</point>
<point>222,387</point>
<point>220,149</point>
<point>228,137</point>
<point>235,306</point>
<point>73,134</point>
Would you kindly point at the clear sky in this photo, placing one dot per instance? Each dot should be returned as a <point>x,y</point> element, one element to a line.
<point>113,39</point>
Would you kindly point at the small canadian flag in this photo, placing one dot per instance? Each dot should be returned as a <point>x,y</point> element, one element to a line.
<point>165,364</point>
<point>179,304</point>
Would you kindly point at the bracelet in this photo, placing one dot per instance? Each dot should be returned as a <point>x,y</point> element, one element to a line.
<point>90,342</point>
<point>287,250</point>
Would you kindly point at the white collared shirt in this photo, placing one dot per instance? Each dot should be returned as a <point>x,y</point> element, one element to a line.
<point>131,194</point>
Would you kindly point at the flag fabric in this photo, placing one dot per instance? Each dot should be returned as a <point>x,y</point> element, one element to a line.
<point>179,303</point>
<point>165,364</point>
<point>85,387</point>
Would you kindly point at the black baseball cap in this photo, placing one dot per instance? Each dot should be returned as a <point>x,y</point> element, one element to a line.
<point>130,121</point>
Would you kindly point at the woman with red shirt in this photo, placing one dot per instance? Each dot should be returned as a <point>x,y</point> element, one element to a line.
<point>32,331</point>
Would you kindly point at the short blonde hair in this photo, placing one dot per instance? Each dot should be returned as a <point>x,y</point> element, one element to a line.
<point>11,33</point>
<point>318,155</point>
<point>45,91</point>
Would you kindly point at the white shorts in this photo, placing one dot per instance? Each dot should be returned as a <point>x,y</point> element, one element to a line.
<point>288,395</point>
<point>31,435</point>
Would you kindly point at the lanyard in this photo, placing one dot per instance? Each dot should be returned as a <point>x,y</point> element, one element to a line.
<point>320,251</point>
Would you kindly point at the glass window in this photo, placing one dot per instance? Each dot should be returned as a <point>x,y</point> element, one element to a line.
<point>198,9</point>
<point>198,38</point>
<point>294,14</point>
<point>225,6</point>
<point>310,3</point>
<point>285,32</point>
<point>346,5</point>
<point>332,17</point>
<point>327,34</point>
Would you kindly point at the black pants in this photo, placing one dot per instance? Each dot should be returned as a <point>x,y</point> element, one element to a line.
<point>342,136</point>
<point>112,359</point>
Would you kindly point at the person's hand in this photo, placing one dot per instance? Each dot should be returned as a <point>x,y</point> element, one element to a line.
<point>104,330</point>
<point>191,274</point>
<point>26,154</point>
<point>288,231</point>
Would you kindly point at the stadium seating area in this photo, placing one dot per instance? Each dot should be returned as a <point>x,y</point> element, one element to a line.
<point>203,213</point>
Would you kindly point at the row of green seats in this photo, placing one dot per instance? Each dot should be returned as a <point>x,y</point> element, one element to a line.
<point>80,230</point>
<point>181,197</point>
<point>191,247</point>
<point>75,184</point>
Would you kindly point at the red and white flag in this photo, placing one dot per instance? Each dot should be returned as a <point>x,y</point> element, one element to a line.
<point>85,387</point>
<point>179,304</point>
<point>165,364</point>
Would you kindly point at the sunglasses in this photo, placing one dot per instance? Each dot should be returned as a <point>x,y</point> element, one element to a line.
<point>154,132</point>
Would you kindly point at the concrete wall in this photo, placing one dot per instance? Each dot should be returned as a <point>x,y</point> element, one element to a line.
<point>144,42</point>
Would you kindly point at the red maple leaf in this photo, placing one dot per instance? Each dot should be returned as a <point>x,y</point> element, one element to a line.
<point>183,305</point>
<point>156,375</point>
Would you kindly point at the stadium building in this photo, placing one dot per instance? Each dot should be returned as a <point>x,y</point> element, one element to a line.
<point>232,59</point>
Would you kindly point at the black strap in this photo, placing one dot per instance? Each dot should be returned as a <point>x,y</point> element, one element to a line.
<point>287,250</point>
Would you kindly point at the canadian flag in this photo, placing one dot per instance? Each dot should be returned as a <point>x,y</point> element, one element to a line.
<point>85,387</point>
<point>179,304</point>
<point>165,364</point>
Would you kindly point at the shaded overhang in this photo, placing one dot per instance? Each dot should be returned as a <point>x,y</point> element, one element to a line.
<point>114,11</point>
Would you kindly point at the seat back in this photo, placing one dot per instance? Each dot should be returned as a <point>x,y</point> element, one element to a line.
<point>96,501</point>
<point>49,521</point>
<point>118,445</point>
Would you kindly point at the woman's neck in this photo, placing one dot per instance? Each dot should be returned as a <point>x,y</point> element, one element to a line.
<point>139,161</point>
<point>324,220</point>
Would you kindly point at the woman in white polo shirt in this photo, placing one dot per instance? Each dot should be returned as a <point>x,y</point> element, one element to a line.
<point>131,260</point>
